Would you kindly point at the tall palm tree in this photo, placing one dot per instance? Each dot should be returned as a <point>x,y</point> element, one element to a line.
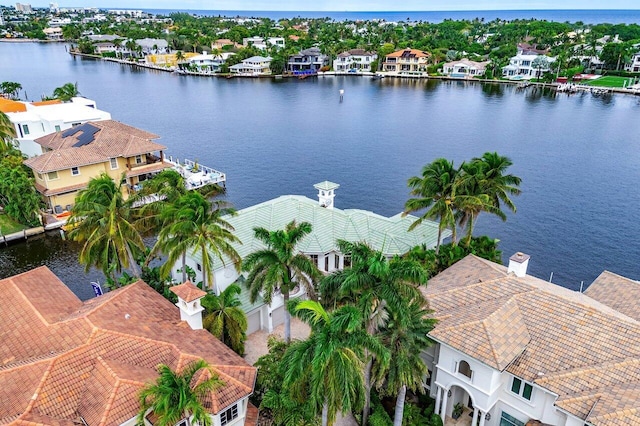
<point>179,396</point>
<point>327,368</point>
<point>435,192</point>
<point>66,92</point>
<point>373,284</point>
<point>103,221</point>
<point>279,268</point>
<point>495,183</point>
<point>196,224</point>
<point>225,319</point>
<point>405,335</point>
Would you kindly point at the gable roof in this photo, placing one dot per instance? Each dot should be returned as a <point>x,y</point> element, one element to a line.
<point>561,340</point>
<point>409,53</point>
<point>89,360</point>
<point>106,139</point>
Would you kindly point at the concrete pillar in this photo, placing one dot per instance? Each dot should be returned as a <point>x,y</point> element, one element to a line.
<point>474,422</point>
<point>445,399</point>
<point>482,418</point>
<point>438,399</point>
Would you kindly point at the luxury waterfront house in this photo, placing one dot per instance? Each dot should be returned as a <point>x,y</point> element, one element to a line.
<point>308,60</point>
<point>407,61</point>
<point>513,349</point>
<point>464,68</point>
<point>387,234</point>
<point>65,362</point>
<point>35,119</point>
<point>74,156</point>
<point>253,66</point>
<point>354,60</point>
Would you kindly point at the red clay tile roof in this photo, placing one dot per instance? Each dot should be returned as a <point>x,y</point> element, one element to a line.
<point>113,139</point>
<point>187,291</point>
<point>7,105</point>
<point>63,190</point>
<point>576,347</point>
<point>61,359</point>
<point>409,53</point>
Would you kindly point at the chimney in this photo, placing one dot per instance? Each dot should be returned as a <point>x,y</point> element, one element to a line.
<point>518,264</point>
<point>189,303</point>
<point>326,193</point>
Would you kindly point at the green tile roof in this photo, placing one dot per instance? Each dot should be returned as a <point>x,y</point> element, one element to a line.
<point>389,235</point>
<point>326,185</point>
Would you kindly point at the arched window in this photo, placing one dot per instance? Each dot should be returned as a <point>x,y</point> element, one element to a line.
<point>465,369</point>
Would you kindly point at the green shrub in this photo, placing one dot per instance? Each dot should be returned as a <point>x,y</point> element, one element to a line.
<point>108,54</point>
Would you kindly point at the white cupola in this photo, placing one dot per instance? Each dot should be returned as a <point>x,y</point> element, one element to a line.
<point>189,303</point>
<point>326,193</point>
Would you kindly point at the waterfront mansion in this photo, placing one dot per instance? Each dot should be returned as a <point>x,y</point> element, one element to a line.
<point>65,362</point>
<point>387,234</point>
<point>73,156</point>
<point>514,350</point>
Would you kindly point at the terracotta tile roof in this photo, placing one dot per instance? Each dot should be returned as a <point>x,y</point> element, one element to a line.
<point>91,359</point>
<point>50,102</point>
<point>576,347</point>
<point>187,291</point>
<point>619,293</point>
<point>112,139</point>
<point>63,190</point>
<point>7,105</point>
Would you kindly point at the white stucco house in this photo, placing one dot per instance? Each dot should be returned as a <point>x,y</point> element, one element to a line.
<point>208,62</point>
<point>253,66</point>
<point>387,234</point>
<point>522,67</point>
<point>264,43</point>
<point>354,60</point>
<point>465,68</point>
<point>516,350</point>
<point>634,63</point>
<point>35,119</point>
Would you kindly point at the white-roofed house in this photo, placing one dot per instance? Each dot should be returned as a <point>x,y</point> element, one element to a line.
<point>329,224</point>
<point>253,66</point>
<point>464,68</point>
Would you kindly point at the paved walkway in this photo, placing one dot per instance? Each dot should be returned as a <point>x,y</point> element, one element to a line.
<point>256,346</point>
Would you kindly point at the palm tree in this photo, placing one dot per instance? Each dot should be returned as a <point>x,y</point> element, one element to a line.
<point>405,335</point>
<point>179,396</point>
<point>66,92</point>
<point>103,222</point>
<point>196,224</point>
<point>495,183</point>
<point>435,192</point>
<point>373,284</point>
<point>278,267</point>
<point>11,88</point>
<point>225,319</point>
<point>7,135</point>
<point>327,368</point>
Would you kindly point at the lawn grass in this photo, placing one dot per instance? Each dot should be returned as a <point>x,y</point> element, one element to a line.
<point>8,225</point>
<point>610,81</point>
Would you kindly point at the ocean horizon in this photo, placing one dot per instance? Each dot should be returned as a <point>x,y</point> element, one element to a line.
<point>587,16</point>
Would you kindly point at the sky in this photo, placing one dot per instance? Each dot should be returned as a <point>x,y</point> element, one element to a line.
<point>345,5</point>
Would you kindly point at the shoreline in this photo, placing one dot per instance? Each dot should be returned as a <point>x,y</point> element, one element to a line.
<point>554,85</point>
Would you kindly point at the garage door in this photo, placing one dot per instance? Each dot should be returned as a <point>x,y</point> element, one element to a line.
<point>253,322</point>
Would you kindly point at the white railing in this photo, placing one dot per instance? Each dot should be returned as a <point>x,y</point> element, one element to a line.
<point>196,175</point>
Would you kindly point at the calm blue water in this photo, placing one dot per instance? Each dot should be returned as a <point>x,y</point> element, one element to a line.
<point>585,16</point>
<point>578,155</point>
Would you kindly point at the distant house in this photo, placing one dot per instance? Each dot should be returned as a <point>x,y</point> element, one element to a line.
<point>253,66</point>
<point>354,59</point>
<point>53,33</point>
<point>465,68</point>
<point>308,60</point>
<point>521,67</point>
<point>262,43</point>
<point>104,47</point>
<point>153,45</point>
<point>208,62</point>
<point>634,63</point>
<point>68,362</point>
<point>407,61</point>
